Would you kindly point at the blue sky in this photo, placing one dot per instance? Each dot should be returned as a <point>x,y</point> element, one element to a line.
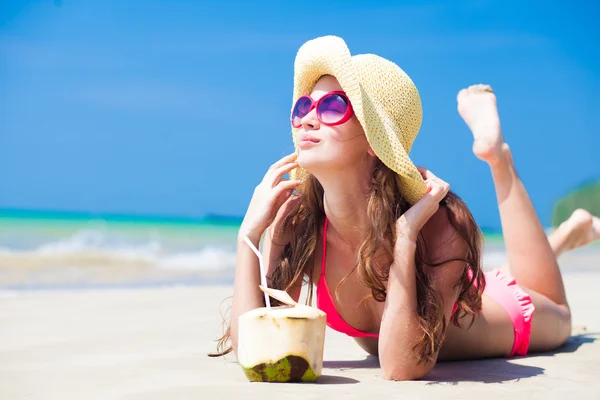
<point>178,107</point>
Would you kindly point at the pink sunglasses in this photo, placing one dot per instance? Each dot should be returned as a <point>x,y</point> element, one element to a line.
<point>334,108</point>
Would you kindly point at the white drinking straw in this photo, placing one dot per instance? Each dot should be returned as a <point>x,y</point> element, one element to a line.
<point>263,275</point>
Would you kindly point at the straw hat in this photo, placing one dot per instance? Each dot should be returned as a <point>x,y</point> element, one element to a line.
<point>385,101</point>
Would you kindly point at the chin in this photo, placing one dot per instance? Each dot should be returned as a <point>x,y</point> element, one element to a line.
<point>312,162</point>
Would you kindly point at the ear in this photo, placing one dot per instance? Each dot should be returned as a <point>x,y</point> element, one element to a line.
<point>371,152</point>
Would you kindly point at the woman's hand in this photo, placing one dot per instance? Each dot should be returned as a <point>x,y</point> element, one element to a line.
<point>268,197</point>
<point>412,221</point>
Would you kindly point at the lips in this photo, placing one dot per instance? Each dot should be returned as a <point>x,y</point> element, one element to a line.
<point>307,138</point>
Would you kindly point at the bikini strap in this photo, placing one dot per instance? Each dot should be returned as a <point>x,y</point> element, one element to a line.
<point>324,256</point>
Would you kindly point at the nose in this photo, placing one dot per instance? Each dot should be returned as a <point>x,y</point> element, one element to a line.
<point>310,120</point>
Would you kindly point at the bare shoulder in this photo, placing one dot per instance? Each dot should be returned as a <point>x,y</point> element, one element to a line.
<point>442,239</point>
<point>445,247</point>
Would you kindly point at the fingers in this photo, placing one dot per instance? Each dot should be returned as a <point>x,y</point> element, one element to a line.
<point>274,176</point>
<point>282,197</point>
<point>434,184</point>
<point>436,187</point>
<point>429,204</point>
<point>413,220</point>
<point>289,158</point>
<point>280,168</point>
<point>287,185</point>
<point>425,173</point>
<point>439,190</point>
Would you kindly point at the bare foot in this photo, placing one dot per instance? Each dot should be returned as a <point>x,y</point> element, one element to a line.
<point>477,107</point>
<point>580,229</point>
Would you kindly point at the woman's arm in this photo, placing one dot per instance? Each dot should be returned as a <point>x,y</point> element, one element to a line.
<point>400,331</point>
<point>269,206</point>
<point>246,294</point>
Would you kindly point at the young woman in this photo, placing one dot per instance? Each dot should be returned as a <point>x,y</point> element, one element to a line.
<point>394,255</point>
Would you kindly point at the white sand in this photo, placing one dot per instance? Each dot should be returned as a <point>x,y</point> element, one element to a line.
<point>152,344</point>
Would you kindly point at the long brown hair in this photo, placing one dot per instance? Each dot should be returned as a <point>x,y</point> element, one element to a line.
<point>375,255</point>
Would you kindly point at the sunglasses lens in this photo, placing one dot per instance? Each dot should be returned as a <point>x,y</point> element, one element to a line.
<point>301,108</point>
<point>332,108</point>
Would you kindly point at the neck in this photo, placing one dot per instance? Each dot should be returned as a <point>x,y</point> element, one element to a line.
<point>345,201</point>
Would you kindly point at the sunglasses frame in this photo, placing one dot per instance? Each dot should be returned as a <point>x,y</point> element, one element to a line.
<point>315,105</point>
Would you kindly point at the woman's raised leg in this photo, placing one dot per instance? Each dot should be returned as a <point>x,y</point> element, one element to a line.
<point>530,257</point>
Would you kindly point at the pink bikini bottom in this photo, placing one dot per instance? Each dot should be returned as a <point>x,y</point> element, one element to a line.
<point>517,303</point>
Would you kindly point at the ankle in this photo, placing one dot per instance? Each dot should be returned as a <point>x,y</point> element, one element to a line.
<point>501,168</point>
<point>558,240</point>
<point>504,160</point>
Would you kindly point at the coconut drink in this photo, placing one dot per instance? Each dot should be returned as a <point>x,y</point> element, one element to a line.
<point>281,344</point>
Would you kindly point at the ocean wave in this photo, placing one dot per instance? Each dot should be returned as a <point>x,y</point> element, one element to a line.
<point>97,247</point>
<point>207,258</point>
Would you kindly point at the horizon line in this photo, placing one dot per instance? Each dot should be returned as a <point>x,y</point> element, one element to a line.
<point>32,213</point>
<point>77,215</point>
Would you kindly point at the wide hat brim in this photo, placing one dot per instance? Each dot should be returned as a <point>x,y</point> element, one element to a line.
<point>329,55</point>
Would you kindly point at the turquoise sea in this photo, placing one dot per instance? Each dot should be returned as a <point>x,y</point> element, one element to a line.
<point>57,249</point>
<point>49,249</point>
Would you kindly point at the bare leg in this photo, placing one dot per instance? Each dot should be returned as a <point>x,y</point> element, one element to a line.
<point>531,258</point>
<point>580,229</point>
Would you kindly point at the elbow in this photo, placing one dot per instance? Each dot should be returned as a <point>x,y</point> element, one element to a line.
<point>401,375</point>
<point>403,372</point>
<point>403,366</point>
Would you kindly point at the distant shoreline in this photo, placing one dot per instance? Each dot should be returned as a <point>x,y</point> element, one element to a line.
<point>8,215</point>
<point>81,216</point>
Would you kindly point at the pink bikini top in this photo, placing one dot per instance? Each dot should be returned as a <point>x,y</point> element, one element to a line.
<point>326,304</point>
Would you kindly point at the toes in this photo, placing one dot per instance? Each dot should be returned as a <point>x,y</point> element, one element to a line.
<point>480,88</point>
<point>461,94</point>
<point>474,89</point>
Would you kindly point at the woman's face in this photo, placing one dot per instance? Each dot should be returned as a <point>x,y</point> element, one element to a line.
<point>327,148</point>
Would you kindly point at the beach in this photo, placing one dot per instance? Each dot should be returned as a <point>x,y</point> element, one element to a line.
<point>152,343</point>
<point>140,142</point>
